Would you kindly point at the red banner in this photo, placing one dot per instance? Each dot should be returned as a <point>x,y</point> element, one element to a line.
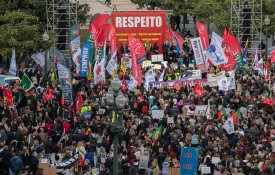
<point>137,52</point>
<point>202,30</point>
<point>112,39</point>
<point>100,21</point>
<point>143,25</point>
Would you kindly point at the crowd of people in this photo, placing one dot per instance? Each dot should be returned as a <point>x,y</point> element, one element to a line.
<point>36,127</point>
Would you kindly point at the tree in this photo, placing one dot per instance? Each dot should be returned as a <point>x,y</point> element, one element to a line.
<point>150,4</point>
<point>22,24</point>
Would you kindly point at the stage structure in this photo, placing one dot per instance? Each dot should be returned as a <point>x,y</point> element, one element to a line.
<point>246,21</point>
<point>61,15</point>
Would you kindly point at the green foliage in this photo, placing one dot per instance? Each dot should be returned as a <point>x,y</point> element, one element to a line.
<point>83,13</point>
<point>22,24</point>
<point>150,4</point>
<point>268,9</point>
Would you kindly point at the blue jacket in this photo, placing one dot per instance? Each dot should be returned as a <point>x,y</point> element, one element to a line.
<point>16,164</point>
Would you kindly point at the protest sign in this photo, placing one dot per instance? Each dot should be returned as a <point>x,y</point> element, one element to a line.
<point>170,120</point>
<point>127,59</point>
<point>143,162</point>
<point>157,66</point>
<point>229,126</point>
<point>194,75</point>
<point>216,160</point>
<point>205,170</point>
<point>146,64</point>
<point>213,78</point>
<point>165,167</point>
<point>199,111</point>
<point>132,84</point>
<point>189,161</point>
<point>223,84</point>
<point>157,58</point>
<point>157,114</point>
<point>95,171</point>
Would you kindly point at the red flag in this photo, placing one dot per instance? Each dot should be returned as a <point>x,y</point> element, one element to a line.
<point>203,35</point>
<point>48,95</point>
<point>172,34</point>
<point>225,32</point>
<point>101,20</point>
<point>232,45</point>
<point>79,101</point>
<point>273,57</point>
<point>62,99</point>
<point>198,89</point>
<point>8,95</point>
<point>137,54</point>
<point>102,35</point>
<point>112,39</point>
<point>230,64</point>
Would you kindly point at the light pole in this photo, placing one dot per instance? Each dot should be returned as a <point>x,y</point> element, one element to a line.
<point>46,39</point>
<point>116,101</point>
<point>266,23</point>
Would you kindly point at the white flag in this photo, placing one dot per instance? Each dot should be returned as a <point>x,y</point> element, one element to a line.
<point>99,71</point>
<point>76,59</point>
<point>161,76</point>
<point>112,65</point>
<point>150,75</point>
<point>231,80</point>
<point>229,126</point>
<point>215,51</point>
<point>13,68</point>
<point>132,83</point>
<point>223,84</point>
<point>208,111</point>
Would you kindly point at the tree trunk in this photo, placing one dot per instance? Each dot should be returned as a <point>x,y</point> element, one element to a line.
<point>195,29</point>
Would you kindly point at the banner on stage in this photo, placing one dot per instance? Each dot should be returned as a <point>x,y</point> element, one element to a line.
<point>143,25</point>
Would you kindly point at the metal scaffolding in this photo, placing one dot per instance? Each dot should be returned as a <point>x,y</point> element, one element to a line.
<point>61,15</point>
<point>246,21</point>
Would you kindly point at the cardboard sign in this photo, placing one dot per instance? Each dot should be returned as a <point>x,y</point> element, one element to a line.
<point>146,63</point>
<point>170,120</point>
<point>157,66</point>
<point>157,58</point>
<point>143,162</point>
<point>199,111</point>
<point>205,170</point>
<point>157,114</point>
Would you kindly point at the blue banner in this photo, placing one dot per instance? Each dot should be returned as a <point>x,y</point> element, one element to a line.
<point>189,161</point>
<point>85,54</point>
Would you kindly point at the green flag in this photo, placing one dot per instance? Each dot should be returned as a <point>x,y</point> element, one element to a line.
<point>156,134</point>
<point>26,83</point>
